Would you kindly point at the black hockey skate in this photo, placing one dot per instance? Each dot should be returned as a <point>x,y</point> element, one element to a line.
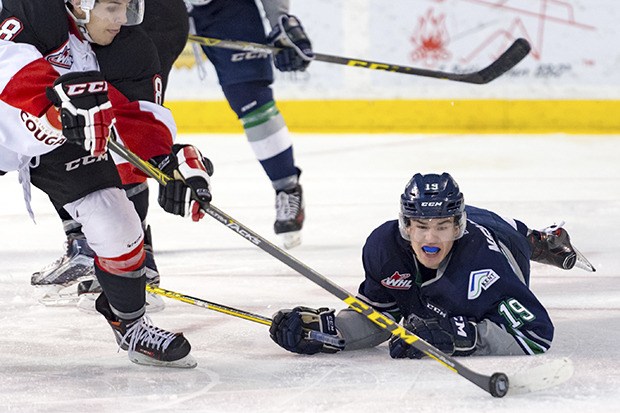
<point>146,344</point>
<point>552,246</point>
<point>55,282</point>
<point>289,216</point>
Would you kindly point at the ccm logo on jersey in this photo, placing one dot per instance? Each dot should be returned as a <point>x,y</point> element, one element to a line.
<point>437,310</point>
<point>480,280</point>
<point>397,281</point>
<point>90,87</point>
<point>87,160</point>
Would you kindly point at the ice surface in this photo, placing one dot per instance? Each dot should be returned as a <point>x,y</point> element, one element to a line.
<point>59,359</point>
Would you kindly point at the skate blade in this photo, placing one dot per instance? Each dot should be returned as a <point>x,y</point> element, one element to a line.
<point>290,239</point>
<point>56,295</point>
<point>582,262</point>
<point>187,362</point>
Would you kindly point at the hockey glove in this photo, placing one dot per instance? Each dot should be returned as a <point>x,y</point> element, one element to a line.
<point>454,336</point>
<point>189,170</point>
<point>296,53</point>
<point>85,110</point>
<point>290,329</point>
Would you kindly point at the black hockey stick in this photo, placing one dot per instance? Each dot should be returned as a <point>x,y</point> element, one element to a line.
<point>513,55</point>
<point>496,384</point>
<point>246,315</point>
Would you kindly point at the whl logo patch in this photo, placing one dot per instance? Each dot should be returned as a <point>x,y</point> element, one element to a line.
<point>61,57</point>
<point>397,281</point>
<point>480,280</point>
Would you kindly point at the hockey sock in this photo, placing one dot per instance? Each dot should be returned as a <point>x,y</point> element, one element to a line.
<point>272,145</point>
<point>126,295</point>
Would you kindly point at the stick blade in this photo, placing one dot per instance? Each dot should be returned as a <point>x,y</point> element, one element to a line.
<point>509,59</point>
<point>541,377</point>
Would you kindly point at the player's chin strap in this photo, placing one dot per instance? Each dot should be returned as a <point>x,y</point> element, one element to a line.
<point>81,23</point>
<point>496,384</point>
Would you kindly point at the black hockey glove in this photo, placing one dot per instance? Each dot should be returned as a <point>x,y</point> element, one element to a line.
<point>454,336</point>
<point>189,170</point>
<point>85,110</point>
<point>291,330</point>
<point>296,53</point>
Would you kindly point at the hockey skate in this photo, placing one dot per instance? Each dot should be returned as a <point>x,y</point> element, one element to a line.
<point>552,246</point>
<point>146,344</point>
<point>55,283</point>
<point>88,290</point>
<point>289,216</point>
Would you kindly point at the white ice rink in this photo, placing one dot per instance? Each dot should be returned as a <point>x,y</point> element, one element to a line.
<point>62,360</point>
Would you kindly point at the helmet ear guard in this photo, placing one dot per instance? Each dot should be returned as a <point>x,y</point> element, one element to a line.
<point>403,223</point>
<point>134,14</point>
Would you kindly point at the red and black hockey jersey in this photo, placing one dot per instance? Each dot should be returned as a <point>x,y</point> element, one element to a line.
<point>39,41</point>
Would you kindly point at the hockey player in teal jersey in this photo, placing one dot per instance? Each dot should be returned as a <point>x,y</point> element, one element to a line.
<point>456,275</point>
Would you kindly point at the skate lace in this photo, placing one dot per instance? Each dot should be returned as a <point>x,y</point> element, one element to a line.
<point>287,205</point>
<point>552,228</point>
<point>142,332</point>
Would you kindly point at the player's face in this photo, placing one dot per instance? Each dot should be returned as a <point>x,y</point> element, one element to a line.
<point>106,19</point>
<point>432,239</point>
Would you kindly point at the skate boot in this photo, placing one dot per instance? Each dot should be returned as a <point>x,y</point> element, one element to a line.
<point>146,344</point>
<point>88,290</point>
<point>289,216</point>
<point>552,246</point>
<point>55,282</point>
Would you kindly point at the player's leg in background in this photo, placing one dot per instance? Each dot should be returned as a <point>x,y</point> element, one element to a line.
<point>245,78</point>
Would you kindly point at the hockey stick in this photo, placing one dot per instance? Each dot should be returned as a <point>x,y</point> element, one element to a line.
<point>496,384</point>
<point>513,55</point>
<point>209,305</point>
<point>246,315</point>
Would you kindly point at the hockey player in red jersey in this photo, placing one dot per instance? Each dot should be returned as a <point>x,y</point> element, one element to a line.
<point>71,278</point>
<point>73,71</point>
